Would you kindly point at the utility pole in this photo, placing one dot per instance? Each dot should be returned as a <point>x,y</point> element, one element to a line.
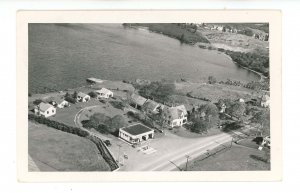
<point>231,142</point>
<point>187,160</point>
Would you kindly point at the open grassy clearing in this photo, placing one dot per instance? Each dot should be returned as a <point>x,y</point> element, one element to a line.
<point>235,42</point>
<point>237,158</point>
<point>54,150</point>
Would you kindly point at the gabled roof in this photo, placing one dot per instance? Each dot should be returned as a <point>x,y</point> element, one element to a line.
<point>82,95</point>
<point>139,100</point>
<point>58,100</point>
<point>104,91</point>
<point>175,112</point>
<point>182,108</point>
<point>265,98</point>
<point>44,106</point>
<point>150,105</point>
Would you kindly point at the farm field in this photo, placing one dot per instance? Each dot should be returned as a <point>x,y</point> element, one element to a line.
<point>53,150</point>
<point>237,158</point>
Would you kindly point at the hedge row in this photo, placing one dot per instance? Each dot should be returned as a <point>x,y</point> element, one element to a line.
<point>104,152</point>
<point>57,125</point>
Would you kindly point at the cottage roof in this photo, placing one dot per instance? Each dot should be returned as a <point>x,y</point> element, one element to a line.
<point>173,112</point>
<point>104,91</point>
<point>182,108</point>
<point>81,94</point>
<point>44,106</point>
<point>139,100</point>
<point>150,105</point>
<point>136,129</point>
<point>58,100</point>
<point>265,98</point>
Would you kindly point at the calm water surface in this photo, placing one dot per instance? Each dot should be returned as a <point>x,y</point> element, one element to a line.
<point>63,55</point>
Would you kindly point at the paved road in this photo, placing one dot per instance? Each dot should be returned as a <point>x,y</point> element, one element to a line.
<point>193,150</point>
<point>161,161</point>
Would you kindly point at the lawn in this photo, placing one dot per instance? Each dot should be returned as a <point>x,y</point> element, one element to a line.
<point>54,150</point>
<point>237,158</point>
<point>185,133</point>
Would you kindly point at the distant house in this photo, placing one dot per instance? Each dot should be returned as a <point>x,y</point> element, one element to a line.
<point>175,116</point>
<point>59,103</point>
<point>223,108</point>
<point>104,93</point>
<point>82,97</point>
<point>45,110</point>
<point>136,133</point>
<point>137,101</point>
<point>241,100</point>
<point>265,101</point>
<point>151,106</point>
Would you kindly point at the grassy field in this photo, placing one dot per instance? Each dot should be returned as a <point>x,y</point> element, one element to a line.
<point>236,158</point>
<point>236,42</point>
<point>54,150</point>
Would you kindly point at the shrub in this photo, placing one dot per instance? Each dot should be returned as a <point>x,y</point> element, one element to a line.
<point>212,80</point>
<point>117,104</point>
<point>70,99</point>
<point>57,125</point>
<point>37,101</point>
<point>92,94</point>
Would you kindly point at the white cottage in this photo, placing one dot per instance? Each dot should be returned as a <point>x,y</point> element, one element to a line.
<point>175,116</point>
<point>82,97</point>
<point>104,93</point>
<point>60,103</point>
<point>45,110</point>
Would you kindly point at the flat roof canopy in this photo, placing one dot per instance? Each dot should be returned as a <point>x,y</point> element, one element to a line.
<point>136,129</point>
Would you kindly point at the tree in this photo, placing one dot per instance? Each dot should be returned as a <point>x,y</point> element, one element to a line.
<point>237,110</point>
<point>211,113</point>
<point>212,80</point>
<point>75,94</point>
<point>159,91</point>
<point>115,123</point>
<point>263,119</point>
<point>200,126</point>
<point>92,94</point>
<point>37,101</point>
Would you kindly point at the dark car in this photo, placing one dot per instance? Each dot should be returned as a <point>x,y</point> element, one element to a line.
<point>107,143</point>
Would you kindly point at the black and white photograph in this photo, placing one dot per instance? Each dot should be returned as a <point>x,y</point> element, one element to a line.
<point>149,97</point>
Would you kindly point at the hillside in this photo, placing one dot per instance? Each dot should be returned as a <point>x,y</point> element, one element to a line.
<point>186,33</point>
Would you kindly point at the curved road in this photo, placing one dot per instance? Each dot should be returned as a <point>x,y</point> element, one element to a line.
<point>166,161</point>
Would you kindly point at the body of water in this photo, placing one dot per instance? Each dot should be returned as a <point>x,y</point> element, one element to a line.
<point>63,55</point>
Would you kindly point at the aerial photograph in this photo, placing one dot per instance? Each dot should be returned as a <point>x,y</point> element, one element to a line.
<point>121,97</point>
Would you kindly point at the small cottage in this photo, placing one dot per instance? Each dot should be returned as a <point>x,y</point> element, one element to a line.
<point>265,101</point>
<point>137,101</point>
<point>45,110</point>
<point>104,93</point>
<point>60,103</point>
<point>82,97</point>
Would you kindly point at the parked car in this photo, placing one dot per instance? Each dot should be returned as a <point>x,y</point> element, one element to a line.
<point>107,143</point>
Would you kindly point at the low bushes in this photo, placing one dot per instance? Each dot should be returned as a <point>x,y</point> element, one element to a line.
<point>57,125</point>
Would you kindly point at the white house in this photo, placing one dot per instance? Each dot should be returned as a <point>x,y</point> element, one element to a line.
<point>44,109</point>
<point>175,116</point>
<point>265,101</point>
<point>82,97</point>
<point>60,103</point>
<point>104,93</point>
<point>136,133</point>
<point>223,108</point>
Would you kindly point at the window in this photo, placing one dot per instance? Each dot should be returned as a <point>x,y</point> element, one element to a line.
<point>52,111</point>
<point>47,112</point>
